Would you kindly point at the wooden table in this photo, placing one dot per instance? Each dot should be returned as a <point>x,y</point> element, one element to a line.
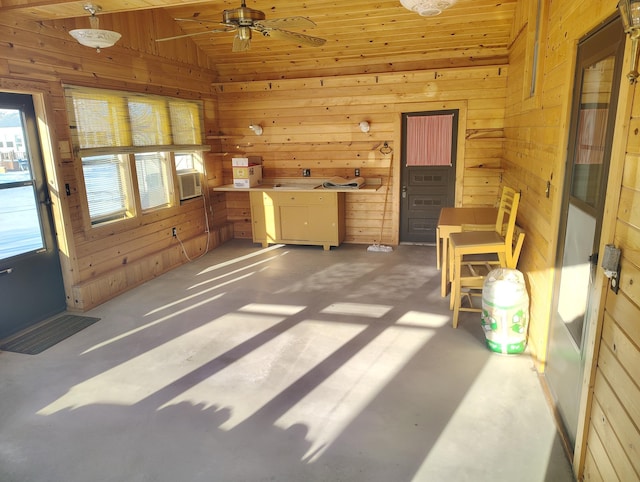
<point>450,221</point>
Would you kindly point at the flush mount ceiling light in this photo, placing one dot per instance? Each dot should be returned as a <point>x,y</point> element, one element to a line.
<point>94,37</point>
<point>364,126</point>
<point>630,13</point>
<point>427,8</point>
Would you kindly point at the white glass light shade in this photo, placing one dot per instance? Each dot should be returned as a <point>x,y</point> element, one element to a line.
<point>256,128</point>
<point>364,126</point>
<point>630,13</point>
<point>427,8</point>
<point>95,38</point>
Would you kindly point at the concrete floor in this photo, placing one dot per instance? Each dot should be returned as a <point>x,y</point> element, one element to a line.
<point>280,364</point>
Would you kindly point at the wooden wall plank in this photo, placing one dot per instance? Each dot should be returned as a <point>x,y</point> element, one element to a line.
<point>609,452</point>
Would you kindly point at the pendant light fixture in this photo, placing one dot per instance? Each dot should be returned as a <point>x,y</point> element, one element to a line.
<point>94,37</point>
<point>427,8</point>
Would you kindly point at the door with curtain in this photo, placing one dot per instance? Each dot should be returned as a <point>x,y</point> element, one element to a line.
<point>427,178</point>
<point>31,285</point>
<point>597,77</point>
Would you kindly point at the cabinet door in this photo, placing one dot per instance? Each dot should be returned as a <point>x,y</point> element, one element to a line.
<point>263,218</point>
<point>294,223</point>
<point>323,224</point>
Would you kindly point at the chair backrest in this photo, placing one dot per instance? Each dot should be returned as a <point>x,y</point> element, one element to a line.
<point>507,211</point>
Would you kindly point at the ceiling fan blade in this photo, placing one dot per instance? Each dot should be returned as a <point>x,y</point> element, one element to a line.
<point>199,20</point>
<point>192,34</point>
<point>296,37</point>
<point>240,45</point>
<point>286,22</point>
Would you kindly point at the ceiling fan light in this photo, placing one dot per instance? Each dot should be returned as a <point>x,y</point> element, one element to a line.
<point>427,8</point>
<point>244,33</point>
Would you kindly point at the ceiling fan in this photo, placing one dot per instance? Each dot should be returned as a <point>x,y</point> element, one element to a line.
<point>244,20</point>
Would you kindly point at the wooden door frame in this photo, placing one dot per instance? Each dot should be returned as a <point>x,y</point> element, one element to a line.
<point>612,201</point>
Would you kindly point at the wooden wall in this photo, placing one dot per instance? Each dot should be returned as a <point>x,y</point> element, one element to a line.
<point>536,130</point>
<point>37,58</point>
<point>313,123</point>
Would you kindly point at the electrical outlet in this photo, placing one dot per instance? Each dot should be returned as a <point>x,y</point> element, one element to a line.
<point>306,172</point>
<point>174,232</point>
<point>357,172</point>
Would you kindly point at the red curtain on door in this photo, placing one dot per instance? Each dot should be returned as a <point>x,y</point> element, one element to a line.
<point>429,140</point>
<point>591,134</point>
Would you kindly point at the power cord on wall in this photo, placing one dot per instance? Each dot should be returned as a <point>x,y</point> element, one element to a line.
<point>206,223</point>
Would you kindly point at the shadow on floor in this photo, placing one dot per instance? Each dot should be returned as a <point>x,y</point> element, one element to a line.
<point>284,364</point>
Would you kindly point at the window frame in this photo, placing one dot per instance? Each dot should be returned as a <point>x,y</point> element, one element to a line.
<point>164,113</point>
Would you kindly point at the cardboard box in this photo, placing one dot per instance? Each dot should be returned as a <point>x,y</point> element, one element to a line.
<point>246,161</point>
<point>247,176</point>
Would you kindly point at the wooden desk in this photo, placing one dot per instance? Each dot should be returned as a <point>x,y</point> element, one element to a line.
<point>450,221</point>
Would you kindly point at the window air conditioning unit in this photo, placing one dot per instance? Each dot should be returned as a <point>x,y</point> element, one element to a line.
<point>189,183</point>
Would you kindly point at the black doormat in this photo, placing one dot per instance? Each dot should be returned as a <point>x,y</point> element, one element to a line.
<point>47,334</point>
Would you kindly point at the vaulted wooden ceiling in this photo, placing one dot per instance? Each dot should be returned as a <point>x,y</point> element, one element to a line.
<point>362,36</point>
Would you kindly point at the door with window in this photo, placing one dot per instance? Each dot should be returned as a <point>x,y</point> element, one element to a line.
<point>598,72</point>
<point>427,177</point>
<point>31,287</point>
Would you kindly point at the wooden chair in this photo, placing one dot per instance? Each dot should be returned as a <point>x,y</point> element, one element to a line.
<point>508,201</point>
<point>493,241</point>
<point>471,273</point>
<point>498,242</point>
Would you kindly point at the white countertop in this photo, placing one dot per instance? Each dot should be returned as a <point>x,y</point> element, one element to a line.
<point>297,184</point>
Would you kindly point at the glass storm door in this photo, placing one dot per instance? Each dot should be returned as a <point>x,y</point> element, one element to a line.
<point>592,121</point>
<point>31,287</point>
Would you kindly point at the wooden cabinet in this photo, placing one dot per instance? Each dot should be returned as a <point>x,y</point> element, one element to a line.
<point>298,217</point>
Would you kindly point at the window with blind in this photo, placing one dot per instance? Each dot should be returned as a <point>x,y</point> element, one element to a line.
<point>124,136</point>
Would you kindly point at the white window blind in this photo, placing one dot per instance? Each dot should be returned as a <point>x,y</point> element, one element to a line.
<point>153,176</point>
<point>107,184</point>
<point>185,122</point>
<point>102,119</point>
<point>150,124</point>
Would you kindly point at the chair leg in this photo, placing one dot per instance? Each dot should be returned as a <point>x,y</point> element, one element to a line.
<point>438,248</point>
<point>456,288</point>
<point>444,261</point>
<point>457,301</point>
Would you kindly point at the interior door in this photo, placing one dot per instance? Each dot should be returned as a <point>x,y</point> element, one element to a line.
<point>428,172</point>
<point>31,286</point>
<point>598,71</point>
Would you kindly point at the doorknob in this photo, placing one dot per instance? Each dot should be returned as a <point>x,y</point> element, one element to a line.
<point>404,192</point>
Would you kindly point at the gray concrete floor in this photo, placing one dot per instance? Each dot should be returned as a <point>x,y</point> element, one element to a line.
<point>280,364</point>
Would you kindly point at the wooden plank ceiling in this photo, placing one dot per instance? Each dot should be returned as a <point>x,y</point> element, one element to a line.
<point>361,36</point>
